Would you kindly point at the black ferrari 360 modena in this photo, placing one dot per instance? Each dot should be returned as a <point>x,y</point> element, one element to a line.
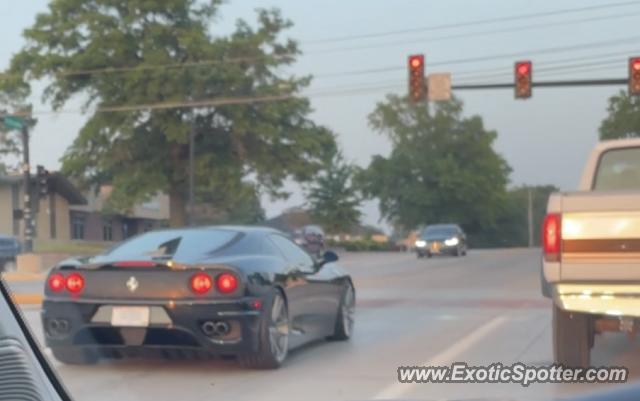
<point>219,291</point>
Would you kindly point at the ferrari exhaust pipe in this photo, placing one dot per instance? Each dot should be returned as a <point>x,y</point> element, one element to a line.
<point>215,329</point>
<point>53,326</point>
<point>209,328</point>
<point>58,327</point>
<point>222,328</point>
<point>63,326</point>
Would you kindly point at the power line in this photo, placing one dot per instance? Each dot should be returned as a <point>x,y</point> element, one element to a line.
<point>549,50</point>
<point>509,69</point>
<point>470,23</point>
<point>468,34</point>
<point>504,73</point>
<point>547,70</point>
<point>109,70</point>
<point>149,67</point>
<point>215,102</point>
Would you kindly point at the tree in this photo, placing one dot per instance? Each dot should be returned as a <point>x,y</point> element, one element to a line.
<point>442,167</point>
<point>13,92</point>
<point>122,55</point>
<point>332,197</point>
<point>512,226</point>
<point>8,147</point>
<point>230,206</point>
<point>623,120</point>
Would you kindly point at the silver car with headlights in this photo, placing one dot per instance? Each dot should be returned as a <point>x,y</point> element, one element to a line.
<point>441,239</point>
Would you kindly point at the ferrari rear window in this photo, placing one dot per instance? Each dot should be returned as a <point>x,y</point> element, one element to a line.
<point>173,244</point>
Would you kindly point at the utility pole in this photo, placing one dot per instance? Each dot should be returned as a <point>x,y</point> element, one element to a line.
<point>530,216</point>
<point>192,134</point>
<point>26,171</point>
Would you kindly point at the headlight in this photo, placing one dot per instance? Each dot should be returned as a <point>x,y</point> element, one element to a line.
<point>452,241</point>
<point>421,244</point>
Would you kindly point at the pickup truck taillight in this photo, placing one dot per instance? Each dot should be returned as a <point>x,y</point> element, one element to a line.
<point>552,237</point>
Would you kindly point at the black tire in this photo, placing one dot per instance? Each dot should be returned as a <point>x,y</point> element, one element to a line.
<point>267,357</point>
<point>429,255</point>
<point>75,355</point>
<point>457,252</point>
<point>343,328</point>
<point>420,256</point>
<point>572,338</point>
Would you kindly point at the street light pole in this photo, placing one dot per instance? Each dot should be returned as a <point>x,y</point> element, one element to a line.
<point>26,171</point>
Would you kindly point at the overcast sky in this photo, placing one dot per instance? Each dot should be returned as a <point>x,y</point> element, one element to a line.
<point>545,139</point>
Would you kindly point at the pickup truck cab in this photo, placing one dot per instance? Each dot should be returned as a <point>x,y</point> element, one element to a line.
<point>591,252</point>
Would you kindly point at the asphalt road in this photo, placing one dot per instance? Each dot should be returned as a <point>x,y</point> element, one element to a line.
<point>479,309</point>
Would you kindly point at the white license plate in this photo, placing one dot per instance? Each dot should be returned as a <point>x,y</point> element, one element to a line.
<point>130,316</point>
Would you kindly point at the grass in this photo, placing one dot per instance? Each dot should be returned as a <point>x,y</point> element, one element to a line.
<point>71,247</point>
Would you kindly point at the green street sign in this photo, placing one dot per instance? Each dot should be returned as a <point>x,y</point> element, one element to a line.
<point>13,122</point>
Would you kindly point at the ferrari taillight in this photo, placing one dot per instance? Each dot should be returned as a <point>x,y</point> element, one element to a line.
<point>201,283</point>
<point>75,283</point>
<point>226,283</point>
<point>552,237</point>
<point>56,282</point>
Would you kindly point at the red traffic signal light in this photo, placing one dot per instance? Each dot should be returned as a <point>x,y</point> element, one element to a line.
<point>634,76</point>
<point>417,87</point>
<point>523,70</point>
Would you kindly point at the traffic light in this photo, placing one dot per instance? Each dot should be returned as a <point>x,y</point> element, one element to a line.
<point>523,71</point>
<point>634,76</point>
<point>42,181</point>
<point>417,88</point>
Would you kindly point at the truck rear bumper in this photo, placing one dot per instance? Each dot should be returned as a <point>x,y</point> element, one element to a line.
<point>598,299</point>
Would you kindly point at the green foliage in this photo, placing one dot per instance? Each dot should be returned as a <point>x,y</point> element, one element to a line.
<point>442,167</point>
<point>239,205</point>
<point>368,246</point>
<point>623,120</point>
<point>8,148</point>
<point>512,227</point>
<point>332,197</point>
<point>145,151</point>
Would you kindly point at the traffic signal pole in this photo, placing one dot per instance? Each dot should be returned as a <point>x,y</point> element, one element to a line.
<point>27,214</point>
<point>546,84</point>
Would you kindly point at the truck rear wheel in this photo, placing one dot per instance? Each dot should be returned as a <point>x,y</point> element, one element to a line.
<point>572,338</point>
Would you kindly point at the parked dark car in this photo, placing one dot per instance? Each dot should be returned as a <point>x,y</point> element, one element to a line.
<point>311,238</point>
<point>9,250</point>
<point>217,291</point>
<point>441,239</point>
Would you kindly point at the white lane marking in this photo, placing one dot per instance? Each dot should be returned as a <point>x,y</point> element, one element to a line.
<point>397,389</point>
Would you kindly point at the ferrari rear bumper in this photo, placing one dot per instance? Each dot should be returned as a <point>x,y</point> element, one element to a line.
<point>169,326</point>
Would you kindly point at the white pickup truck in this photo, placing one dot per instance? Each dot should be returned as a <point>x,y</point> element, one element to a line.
<point>591,252</point>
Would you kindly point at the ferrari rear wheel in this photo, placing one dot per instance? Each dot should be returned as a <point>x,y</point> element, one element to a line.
<point>74,355</point>
<point>346,315</point>
<point>274,337</point>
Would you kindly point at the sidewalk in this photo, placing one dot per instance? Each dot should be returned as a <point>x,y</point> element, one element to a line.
<point>23,287</point>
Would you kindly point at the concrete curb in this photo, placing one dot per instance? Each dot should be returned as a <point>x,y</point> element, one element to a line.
<point>27,299</point>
